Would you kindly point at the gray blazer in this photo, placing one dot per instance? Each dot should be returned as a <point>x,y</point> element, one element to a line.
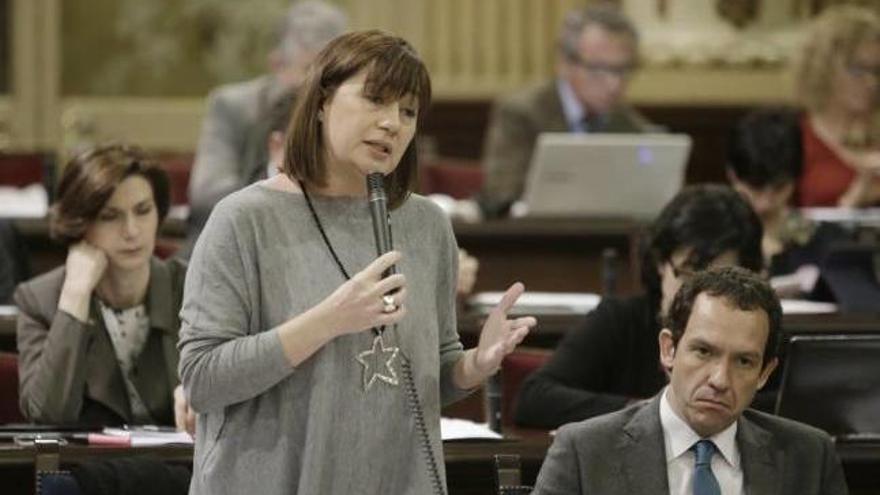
<point>514,127</point>
<point>623,452</point>
<point>67,369</point>
<point>231,152</point>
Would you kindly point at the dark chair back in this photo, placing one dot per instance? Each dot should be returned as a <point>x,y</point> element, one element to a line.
<point>9,408</point>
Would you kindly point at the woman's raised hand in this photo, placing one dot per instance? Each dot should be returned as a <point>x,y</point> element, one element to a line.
<point>501,335</point>
<point>361,303</point>
<point>84,267</point>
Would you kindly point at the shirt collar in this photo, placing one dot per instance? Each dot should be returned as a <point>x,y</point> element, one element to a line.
<point>572,109</point>
<point>680,437</point>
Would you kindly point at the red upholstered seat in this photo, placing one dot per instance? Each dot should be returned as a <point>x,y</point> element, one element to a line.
<point>21,169</point>
<point>9,410</point>
<point>460,179</point>
<point>177,166</point>
<point>514,369</point>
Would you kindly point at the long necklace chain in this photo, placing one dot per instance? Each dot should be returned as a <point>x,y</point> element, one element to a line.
<point>377,330</point>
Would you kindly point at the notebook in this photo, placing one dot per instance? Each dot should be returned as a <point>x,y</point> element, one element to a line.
<point>605,175</point>
<point>832,382</point>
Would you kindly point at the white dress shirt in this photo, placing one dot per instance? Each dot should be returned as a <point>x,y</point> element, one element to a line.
<point>678,438</point>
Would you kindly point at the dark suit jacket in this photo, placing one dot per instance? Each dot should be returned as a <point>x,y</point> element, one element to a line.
<point>623,452</point>
<point>68,372</point>
<point>514,127</point>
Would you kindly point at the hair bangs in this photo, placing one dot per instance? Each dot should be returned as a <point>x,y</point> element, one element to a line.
<point>397,73</point>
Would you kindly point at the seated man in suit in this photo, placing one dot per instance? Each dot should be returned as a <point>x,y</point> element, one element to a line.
<point>597,55</point>
<point>719,346</point>
<point>231,152</point>
<point>610,360</point>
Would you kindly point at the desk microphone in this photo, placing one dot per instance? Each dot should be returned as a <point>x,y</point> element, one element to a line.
<point>379,212</point>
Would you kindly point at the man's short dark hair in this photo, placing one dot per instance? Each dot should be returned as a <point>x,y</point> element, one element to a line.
<point>709,219</point>
<point>741,288</point>
<point>765,148</point>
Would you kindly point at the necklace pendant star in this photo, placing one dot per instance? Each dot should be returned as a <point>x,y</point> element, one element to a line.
<point>378,363</point>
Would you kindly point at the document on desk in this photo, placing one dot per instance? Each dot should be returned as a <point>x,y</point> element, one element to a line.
<point>26,202</point>
<point>541,303</point>
<point>150,436</point>
<point>462,429</point>
<point>802,307</point>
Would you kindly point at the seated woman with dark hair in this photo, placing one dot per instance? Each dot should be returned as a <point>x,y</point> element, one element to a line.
<point>97,338</point>
<point>612,359</point>
<point>764,165</point>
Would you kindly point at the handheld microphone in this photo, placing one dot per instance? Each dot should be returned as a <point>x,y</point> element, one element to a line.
<point>379,212</point>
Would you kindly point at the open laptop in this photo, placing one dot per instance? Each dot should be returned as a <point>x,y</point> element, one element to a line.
<point>832,382</point>
<point>605,175</point>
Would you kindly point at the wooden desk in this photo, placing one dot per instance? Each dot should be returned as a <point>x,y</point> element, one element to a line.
<point>551,254</point>
<point>469,464</point>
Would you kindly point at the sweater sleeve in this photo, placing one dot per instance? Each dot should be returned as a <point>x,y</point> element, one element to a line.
<point>52,361</point>
<point>451,349</point>
<point>224,357</point>
<point>570,386</point>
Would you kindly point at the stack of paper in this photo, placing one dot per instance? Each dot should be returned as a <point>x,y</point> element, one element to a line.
<point>149,436</point>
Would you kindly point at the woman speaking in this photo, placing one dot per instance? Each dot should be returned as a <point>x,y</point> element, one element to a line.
<point>310,370</point>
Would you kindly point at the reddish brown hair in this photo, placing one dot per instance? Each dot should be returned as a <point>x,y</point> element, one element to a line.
<point>88,181</point>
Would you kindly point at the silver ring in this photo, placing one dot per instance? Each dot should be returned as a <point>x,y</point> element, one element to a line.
<point>388,304</point>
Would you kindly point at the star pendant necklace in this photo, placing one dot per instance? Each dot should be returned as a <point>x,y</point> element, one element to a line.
<point>379,361</point>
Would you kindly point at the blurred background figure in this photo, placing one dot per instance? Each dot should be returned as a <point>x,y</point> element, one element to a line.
<point>231,152</point>
<point>597,55</point>
<point>97,337</point>
<point>838,82</point>
<point>612,359</point>
<point>764,165</point>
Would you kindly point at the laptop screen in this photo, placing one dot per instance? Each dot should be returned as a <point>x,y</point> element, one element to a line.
<point>832,382</point>
<point>605,175</point>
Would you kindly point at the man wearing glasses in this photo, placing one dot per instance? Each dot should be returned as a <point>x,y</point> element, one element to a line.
<point>597,54</point>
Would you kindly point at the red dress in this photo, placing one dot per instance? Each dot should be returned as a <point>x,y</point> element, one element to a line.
<point>825,176</point>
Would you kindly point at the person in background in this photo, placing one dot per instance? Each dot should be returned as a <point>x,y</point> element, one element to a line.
<point>310,370</point>
<point>719,345</point>
<point>611,360</point>
<point>97,337</point>
<point>597,55</point>
<point>764,165</point>
<point>231,151</point>
<point>837,78</point>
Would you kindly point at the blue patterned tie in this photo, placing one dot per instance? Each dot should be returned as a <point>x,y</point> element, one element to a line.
<point>704,481</point>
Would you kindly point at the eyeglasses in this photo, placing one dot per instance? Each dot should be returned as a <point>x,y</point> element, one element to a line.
<point>860,70</point>
<point>598,69</point>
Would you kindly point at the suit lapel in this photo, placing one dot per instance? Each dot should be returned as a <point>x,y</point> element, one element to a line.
<point>551,109</point>
<point>642,451</point>
<point>762,464</point>
<point>160,351</point>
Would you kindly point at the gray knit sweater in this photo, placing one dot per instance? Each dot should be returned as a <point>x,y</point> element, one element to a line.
<point>265,427</point>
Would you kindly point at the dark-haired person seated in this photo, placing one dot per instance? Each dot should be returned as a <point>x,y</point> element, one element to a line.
<point>764,164</point>
<point>719,346</point>
<point>97,338</point>
<point>611,359</point>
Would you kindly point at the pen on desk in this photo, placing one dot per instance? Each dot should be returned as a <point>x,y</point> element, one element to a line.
<point>99,439</point>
